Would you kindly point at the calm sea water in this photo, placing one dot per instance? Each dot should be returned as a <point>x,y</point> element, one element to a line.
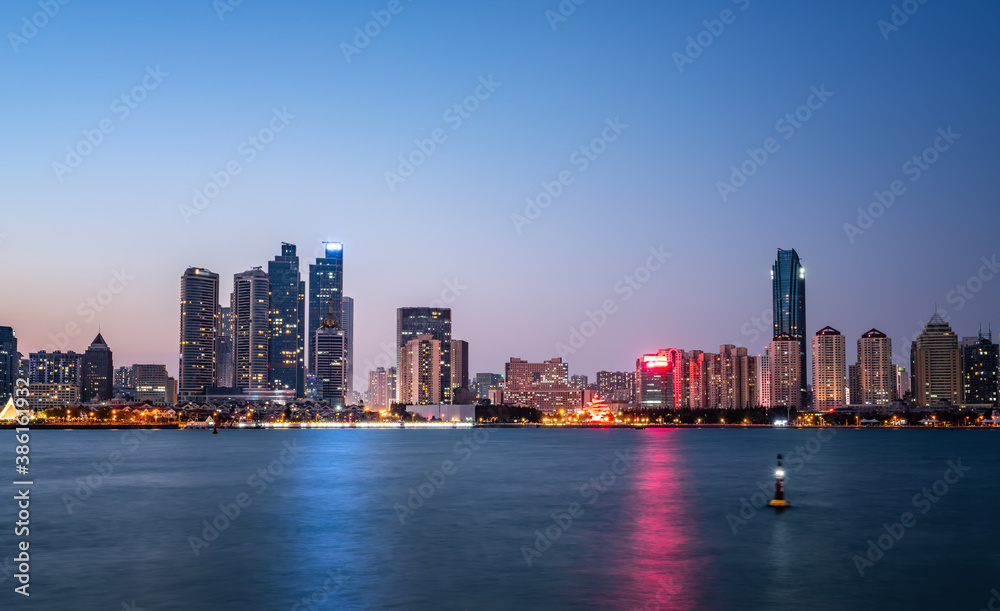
<point>333,526</point>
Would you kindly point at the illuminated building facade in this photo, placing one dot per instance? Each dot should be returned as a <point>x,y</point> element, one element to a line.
<point>225,360</point>
<point>421,362</point>
<point>616,386</point>
<point>326,282</point>
<point>654,378</point>
<point>286,341</point>
<point>828,369</point>
<point>786,373</point>
<point>347,324</point>
<point>378,388</point>
<point>55,368</point>
<point>10,363</point>
<point>936,364</point>
<point>45,396</point>
<point>98,375</point>
<point>331,357</point>
<point>788,287</point>
<point>485,382</point>
<point>199,331</point>
<point>459,364</point>
<point>436,322</point>
<point>980,368</point>
<point>876,373</point>
<point>152,384</point>
<point>251,329</point>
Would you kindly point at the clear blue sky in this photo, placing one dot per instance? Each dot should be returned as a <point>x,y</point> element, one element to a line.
<point>655,186</point>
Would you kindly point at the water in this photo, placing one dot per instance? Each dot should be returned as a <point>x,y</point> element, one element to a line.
<point>327,527</point>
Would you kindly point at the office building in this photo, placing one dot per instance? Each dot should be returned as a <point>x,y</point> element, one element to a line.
<point>980,370</point>
<point>152,384</point>
<point>286,341</point>
<point>485,382</point>
<point>326,283</point>
<point>616,386</point>
<point>436,322</point>
<point>786,372</point>
<point>876,373</point>
<point>654,377</point>
<point>378,389</point>
<point>936,364</point>
<point>251,329</point>
<point>829,363</point>
<point>788,287</point>
<point>98,372</point>
<point>124,385</point>
<point>45,396</point>
<point>225,359</point>
<point>10,363</point>
<point>199,331</point>
<point>331,354</point>
<point>459,364</point>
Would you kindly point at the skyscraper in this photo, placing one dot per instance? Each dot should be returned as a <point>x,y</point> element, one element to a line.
<point>980,365</point>
<point>788,287</point>
<point>378,388</point>
<point>936,364</point>
<point>422,364</point>
<point>199,329</point>
<point>654,379</point>
<point>286,345</point>
<point>459,364</point>
<point>326,282</point>
<point>331,353</point>
<point>786,375</point>
<point>875,371</point>
<point>828,366</point>
<point>98,371</point>
<point>436,322</point>
<point>252,303</point>
<point>347,324</point>
<point>225,377</point>
<point>10,363</point>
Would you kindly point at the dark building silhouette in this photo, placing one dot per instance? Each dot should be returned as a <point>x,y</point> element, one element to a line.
<point>980,369</point>
<point>98,372</point>
<point>10,363</point>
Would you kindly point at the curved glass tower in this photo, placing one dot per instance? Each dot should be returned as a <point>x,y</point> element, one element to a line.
<point>788,285</point>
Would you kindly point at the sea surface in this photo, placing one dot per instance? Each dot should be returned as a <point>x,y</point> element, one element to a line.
<point>506,519</point>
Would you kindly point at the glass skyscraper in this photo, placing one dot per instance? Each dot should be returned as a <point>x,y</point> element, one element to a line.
<point>199,329</point>
<point>788,285</point>
<point>251,328</point>
<point>10,363</point>
<point>326,282</point>
<point>288,308</point>
<point>436,322</point>
<point>347,324</point>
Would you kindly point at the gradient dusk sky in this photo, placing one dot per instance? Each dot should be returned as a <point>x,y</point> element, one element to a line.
<point>64,234</point>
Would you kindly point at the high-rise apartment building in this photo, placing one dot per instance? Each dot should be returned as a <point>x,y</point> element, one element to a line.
<point>199,331</point>
<point>378,388</point>
<point>251,329</point>
<point>786,372</point>
<point>764,379</point>
<point>225,376</point>
<point>828,368</point>
<point>788,287</point>
<point>98,371</point>
<point>902,383</point>
<point>286,342</point>
<point>543,386</point>
<point>392,381</point>
<point>980,369</point>
<point>421,362</point>
<point>876,374</point>
<point>347,324</point>
<point>55,368</point>
<point>936,364</point>
<point>326,282</point>
<point>10,363</point>
<point>436,322</point>
<point>459,364</point>
<point>616,386</point>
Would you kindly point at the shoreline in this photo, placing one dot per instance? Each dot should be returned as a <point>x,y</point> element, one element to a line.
<point>463,425</point>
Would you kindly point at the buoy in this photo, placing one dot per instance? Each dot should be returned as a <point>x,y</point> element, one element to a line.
<point>779,501</point>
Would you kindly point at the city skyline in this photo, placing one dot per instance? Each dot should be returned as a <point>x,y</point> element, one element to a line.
<point>654,186</point>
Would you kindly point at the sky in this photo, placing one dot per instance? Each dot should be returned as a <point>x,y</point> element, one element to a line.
<point>594,181</point>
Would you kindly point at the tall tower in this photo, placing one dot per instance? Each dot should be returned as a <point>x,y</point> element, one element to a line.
<point>422,364</point>
<point>459,364</point>
<point>436,322</point>
<point>828,366</point>
<point>347,324</point>
<point>286,350</point>
<point>199,329</point>
<point>326,282</point>
<point>331,352</point>
<point>224,376</point>
<point>980,364</point>
<point>786,376</point>
<point>98,371</point>
<point>876,375</point>
<point>251,328</point>
<point>937,364</point>
<point>788,287</point>
<point>10,363</point>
